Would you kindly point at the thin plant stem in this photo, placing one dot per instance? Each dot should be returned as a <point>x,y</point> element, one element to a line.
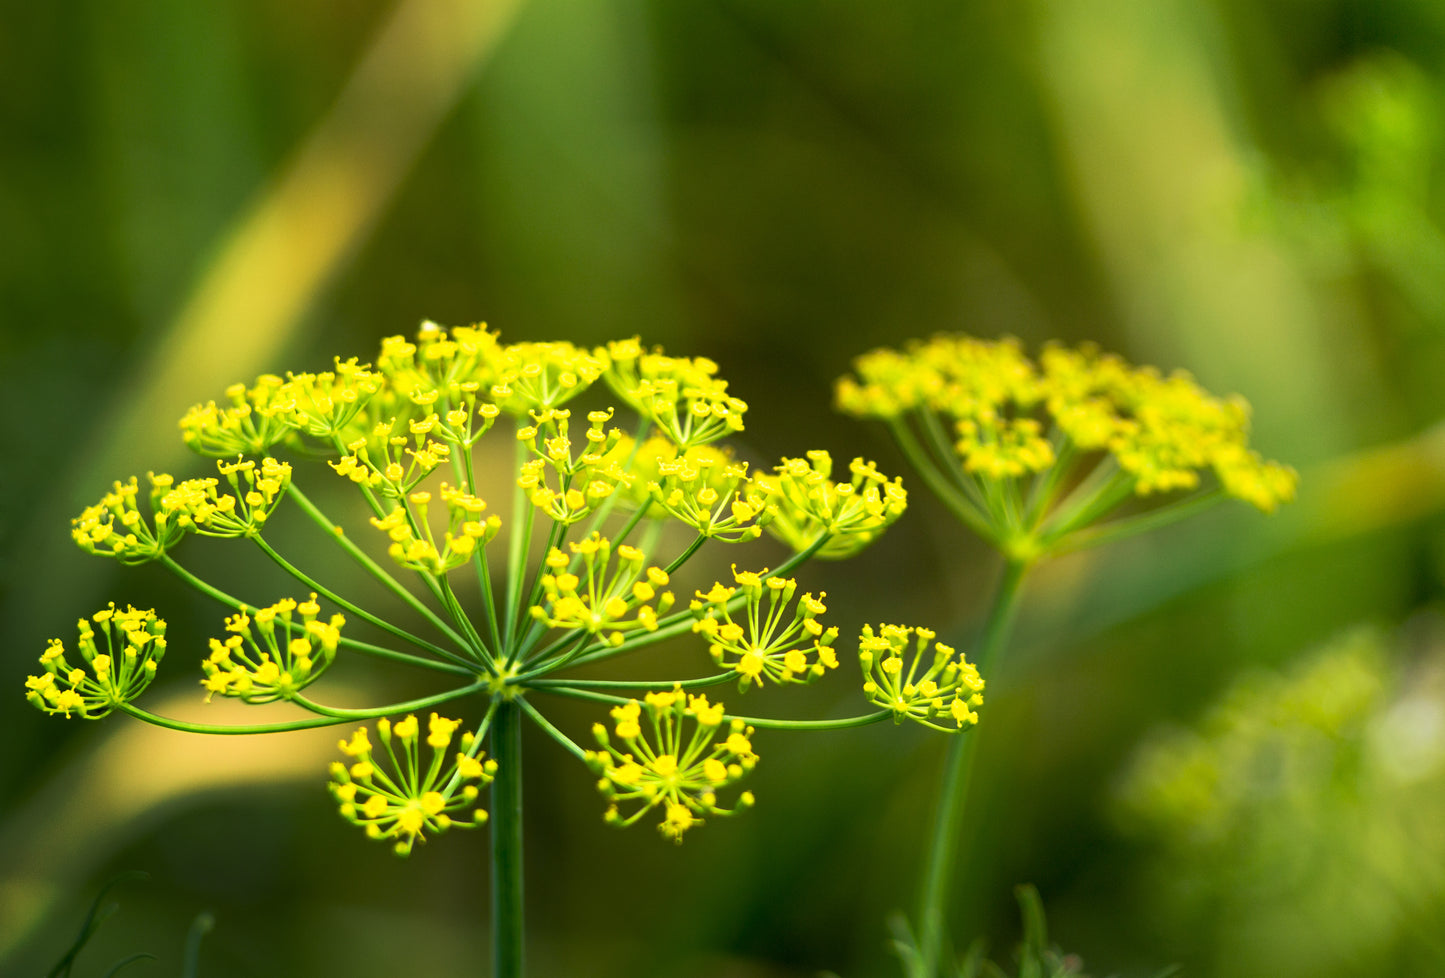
<point>716,680</point>
<point>232,729</point>
<point>519,543</point>
<point>419,704</point>
<point>957,772</point>
<point>767,722</point>
<point>1129,526</point>
<point>567,743</point>
<point>359,612</point>
<point>335,532</point>
<point>366,648</point>
<point>507,916</point>
<point>454,606</point>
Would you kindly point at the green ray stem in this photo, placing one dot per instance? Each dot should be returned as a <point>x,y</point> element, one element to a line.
<point>957,773</point>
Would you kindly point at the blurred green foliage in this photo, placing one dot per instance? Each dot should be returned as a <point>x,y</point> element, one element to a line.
<point>193,193</point>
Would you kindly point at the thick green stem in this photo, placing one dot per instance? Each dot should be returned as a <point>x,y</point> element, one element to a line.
<point>507,929</point>
<point>957,772</point>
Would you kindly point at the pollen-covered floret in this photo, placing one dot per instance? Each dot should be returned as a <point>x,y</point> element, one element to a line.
<point>682,396</point>
<point>706,489</point>
<point>398,799</point>
<point>805,503</point>
<point>256,491</point>
<point>395,456</point>
<point>467,529</point>
<point>542,376</point>
<point>273,654</point>
<point>254,420</point>
<point>325,405</point>
<point>114,527</point>
<point>614,593</point>
<point>564,484</point>
<point>134,644</point>
<point>949,688</point>
<point>677,753</point>
<point>761,641</point>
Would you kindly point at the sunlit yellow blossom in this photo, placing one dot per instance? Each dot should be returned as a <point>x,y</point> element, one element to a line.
<point>681,395</point>
<point>255,493</point>
<point>568,482</point>
<point>805,504</point>
<point>948,689</point>
<point>114,527</point>
<point>467,530</point>
<point>614,593</point>
<point>679,768</point>
<point>134,644</point>
<point>325,405</point>
<point>710,492</point>
<point>272,654</point>
<point>405,801</point>
<point>254,420</point>
<point>757,643</point>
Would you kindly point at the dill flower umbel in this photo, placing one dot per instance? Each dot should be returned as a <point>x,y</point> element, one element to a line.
<point>1028,452</point>
<point>614,593</point>
<point>134,643</point>
<point>949,689</point>
<point>760,644</point>
<point>406,803</point>
<point>675,771</point>
<point>805,503</point>
<point>270,655</point>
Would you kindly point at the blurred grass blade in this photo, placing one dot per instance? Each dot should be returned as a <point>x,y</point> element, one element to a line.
<point>200,927</point>
<point>273,263</point>
<point>93,919</point>
<point>126,962</point>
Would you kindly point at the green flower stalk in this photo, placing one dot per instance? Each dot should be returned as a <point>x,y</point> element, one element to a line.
<point>575,573</point>
<point>1040,458</point>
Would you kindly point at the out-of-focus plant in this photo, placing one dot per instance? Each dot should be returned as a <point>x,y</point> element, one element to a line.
<point>1035,956</point>
<point>97,914</point>
<point>1041,458</point>
<point>1302,800</point>
<point>591,499</point>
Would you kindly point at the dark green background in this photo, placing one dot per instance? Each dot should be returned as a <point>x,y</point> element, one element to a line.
<point>1251,191</point>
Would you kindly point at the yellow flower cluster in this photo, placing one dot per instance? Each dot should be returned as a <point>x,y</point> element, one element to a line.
<point>114,527</point>
<point>1013,417</point>
<point>678,769</point>
<point>706,489</point>
<point>406,802</point>
<point>397,456</point>
<point>806,503</point>
<point>949,689</point>
<point>683,396</point>
<point>613,594</point>
<point>466,530</point>
<point>761,645</point>
<point>254,420</point>
<point>270,655</point>
<point>134,645</point>
<point>581,483</point>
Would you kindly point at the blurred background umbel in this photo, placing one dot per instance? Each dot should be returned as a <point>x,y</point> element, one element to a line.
<point>192,194</point>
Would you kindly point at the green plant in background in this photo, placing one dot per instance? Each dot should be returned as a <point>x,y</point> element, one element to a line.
<point>1041,459</point>
<point>97,914</point>
<point>1302,799</point>
<point>595,503</point>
